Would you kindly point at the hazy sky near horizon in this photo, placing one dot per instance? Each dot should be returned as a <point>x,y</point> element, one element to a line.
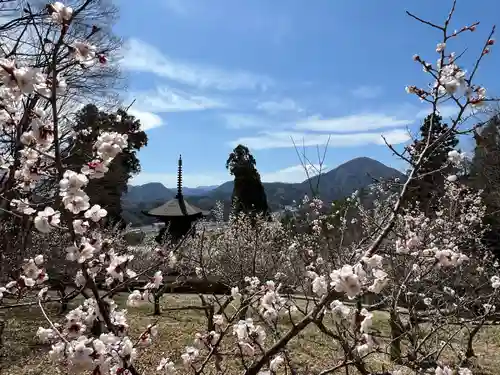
<point>207,75</point>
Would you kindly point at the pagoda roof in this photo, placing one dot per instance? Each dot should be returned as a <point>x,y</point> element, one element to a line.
<point>176,207</point>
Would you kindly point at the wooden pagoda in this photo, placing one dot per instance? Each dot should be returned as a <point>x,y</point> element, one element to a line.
<point>177,214</point>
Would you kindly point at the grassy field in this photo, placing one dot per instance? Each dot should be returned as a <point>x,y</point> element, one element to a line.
<point>22,354</point>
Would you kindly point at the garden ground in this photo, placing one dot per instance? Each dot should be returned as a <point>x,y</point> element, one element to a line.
<point>311,351</point>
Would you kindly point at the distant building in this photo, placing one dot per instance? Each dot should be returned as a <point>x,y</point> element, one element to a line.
<point>177,215</point>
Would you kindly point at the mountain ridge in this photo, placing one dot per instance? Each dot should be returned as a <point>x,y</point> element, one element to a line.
<point>334,184</point>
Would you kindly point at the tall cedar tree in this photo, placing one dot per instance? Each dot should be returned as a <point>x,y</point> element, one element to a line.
<point>485,175</point>
<point>428,187</point>
<point>107,191</point>
<point>248,192</point>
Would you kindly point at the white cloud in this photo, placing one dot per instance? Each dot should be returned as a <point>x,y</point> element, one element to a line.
<point>269,140</point>
<point>148,120</point>
<point>142,57</point>
<point>284,105</point>
<point>244,120</point>
<point>446,111</point>
<point>353,123</point>
<point>292,174</point>
<point>367,92</point>
<point>180,7</point>
<point>166,99</point>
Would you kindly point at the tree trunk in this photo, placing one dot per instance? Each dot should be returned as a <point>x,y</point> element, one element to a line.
<point>157,310</point>
<point>396,332</point>
<point>2,328</point>
<point>470,342</point>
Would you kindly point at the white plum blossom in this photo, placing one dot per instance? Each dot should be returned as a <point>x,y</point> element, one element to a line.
<point>166,367</point>
<point>375,261</point>
<point>95,169</point>
<point>72,181</point>
<point>95,213</point>
<point>45,334</point>
<point>60,12</point>
<point>135,299</point>
<point>276,362</point>
<point>443,371</point>
<point>80,279</point>
<point>246,331</point>
<point>80,226</point>
<point>495,282</point>
<point>346,280</point>
<point>367,321</point>
<point>380,281</point>
<point>190,355</point>
<point>157,279</point>
<point>110,144</point>
<point>320,286</point>
<point>83,52</point>
<point>339,310</point>
<point>440,47</point>
<point>80,253</point>
<point>456,157</point>
<point>366,346</point>
<point>46,220</point>
<point>23,206</point>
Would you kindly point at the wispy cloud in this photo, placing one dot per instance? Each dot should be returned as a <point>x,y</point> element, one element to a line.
<point>142,57</point>
<point>292,174</point>
<point>166,99</point>
<point>148,120</point>
<point>283,105</point>
<point>446,111</point>
<point>367,92</point>
<point>245,120</point>
<point>180,7</point>
<point>283,139</point>
<point>352,123</point>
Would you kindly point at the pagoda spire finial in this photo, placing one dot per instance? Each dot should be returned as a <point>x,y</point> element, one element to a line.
<point>179,178</point>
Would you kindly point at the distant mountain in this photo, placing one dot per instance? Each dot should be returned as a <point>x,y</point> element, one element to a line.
<point>335,184</point>
<point>199,190</point>
<point>349,177</point>
<point>152,191</point>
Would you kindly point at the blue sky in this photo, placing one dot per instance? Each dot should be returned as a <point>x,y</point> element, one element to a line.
<point>207,75</point>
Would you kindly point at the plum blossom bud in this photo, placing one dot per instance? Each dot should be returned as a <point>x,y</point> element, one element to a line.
<point>235,292</point>
<point>440,47</point>
<point>39,260</point>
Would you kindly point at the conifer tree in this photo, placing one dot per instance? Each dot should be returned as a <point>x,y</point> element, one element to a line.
<point>429,184</point>
<point>249,195</point>
<point>485,176</point>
